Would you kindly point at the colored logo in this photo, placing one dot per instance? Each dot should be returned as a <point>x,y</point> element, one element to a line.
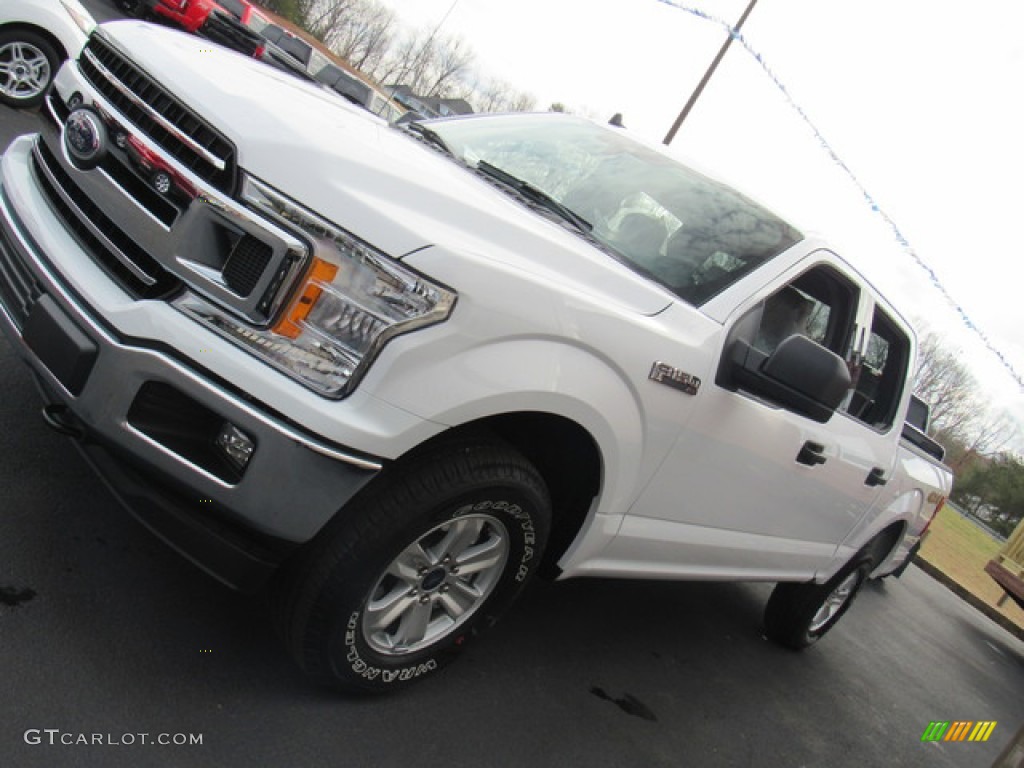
<point>958,730</point>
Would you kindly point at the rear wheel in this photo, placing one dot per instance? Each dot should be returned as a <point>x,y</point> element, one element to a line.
<point>798,615</point>
<point>416,568</point>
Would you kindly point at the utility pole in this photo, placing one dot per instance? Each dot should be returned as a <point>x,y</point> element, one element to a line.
<point>707,76</point>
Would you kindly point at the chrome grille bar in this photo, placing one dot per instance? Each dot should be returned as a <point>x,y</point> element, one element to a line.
<point>95,231</point>
<point>166,124</point>
<point>158,114</point>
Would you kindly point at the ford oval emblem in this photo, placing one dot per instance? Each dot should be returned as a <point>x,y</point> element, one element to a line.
<point>85,137</point>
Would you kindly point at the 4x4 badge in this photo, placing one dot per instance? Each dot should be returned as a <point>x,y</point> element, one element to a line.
<point>663,373</point>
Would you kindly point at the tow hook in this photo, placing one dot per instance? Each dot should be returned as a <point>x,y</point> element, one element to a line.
<point>60,419</point>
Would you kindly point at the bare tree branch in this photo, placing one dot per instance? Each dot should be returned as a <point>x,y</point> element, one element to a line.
<point>959,413</point>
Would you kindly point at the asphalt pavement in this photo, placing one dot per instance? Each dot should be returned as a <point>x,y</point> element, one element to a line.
<point>113,643</point>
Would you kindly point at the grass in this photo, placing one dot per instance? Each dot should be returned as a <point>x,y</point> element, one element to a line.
<point>960,549</point>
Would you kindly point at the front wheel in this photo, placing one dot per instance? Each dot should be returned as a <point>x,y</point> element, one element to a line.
<point>416,567</point>
<point>798,615</point>
<point>28,64</point>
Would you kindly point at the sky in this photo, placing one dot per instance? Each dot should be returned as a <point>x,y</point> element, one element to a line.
<point>920,99</point>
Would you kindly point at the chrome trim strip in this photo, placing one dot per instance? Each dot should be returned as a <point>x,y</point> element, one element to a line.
<point>143,437</point>
<point>284,429</point>
<point>126,262</point>
<point>51,110</point>
<point>212,159</point>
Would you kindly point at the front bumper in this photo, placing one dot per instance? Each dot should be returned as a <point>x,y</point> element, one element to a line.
<point>147,413</point>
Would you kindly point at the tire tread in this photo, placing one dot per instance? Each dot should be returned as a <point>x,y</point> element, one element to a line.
<point>303,615</point>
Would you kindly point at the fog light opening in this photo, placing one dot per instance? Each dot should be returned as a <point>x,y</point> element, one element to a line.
<point>237,446</point>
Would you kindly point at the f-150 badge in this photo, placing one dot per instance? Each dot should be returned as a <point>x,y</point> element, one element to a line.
<point>663,373</point>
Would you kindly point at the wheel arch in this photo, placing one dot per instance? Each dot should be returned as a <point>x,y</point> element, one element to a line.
<point>582,416</point>
<point>878,545</point>
<point>43,32</point>
<point>564,453</point>
<point>883,543</point>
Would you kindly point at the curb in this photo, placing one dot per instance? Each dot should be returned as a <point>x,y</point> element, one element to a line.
<point>1004,621</point>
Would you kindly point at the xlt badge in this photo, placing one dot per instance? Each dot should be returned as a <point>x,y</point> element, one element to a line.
<point>663,373</point>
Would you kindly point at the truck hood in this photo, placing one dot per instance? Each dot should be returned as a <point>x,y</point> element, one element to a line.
<point>379,183</point>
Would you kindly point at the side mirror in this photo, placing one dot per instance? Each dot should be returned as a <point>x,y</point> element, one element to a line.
<point>800,375</point>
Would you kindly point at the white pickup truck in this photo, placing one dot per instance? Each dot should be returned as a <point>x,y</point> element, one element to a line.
<point>392,371</point>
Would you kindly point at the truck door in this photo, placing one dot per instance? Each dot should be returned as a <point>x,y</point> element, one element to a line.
<point>753,489</point>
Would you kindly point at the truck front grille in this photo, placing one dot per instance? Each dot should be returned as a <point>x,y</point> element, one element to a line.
<point>120,256</point>
<point>19,290</point>
<point>158,114</point>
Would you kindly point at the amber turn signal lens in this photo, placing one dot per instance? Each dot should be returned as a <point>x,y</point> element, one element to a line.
<point>322,272</point>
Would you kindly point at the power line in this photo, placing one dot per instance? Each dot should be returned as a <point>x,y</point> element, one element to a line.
<point>688,107</point>
<point>735,34</point>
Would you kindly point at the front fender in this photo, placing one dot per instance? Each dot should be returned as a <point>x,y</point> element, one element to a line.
<point>521,339</point>
<point>528,375</point>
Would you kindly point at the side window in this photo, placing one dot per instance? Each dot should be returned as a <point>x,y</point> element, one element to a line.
<point>820,304</point>
<point>880,375</point>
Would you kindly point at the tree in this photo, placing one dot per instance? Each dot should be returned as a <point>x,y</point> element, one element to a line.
<point>960,419</point>
<point>993,488</point>
<point>945,383</point>
<point>368,35</point>
<point>323,17</point>
<point>431,65</point>
<point>497,95</point>
<point>296,11</point>
<point>363,35</point>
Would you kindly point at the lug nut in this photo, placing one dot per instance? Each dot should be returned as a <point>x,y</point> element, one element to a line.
<point>425,599</point>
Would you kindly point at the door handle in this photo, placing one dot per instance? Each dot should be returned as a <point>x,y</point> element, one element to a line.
<point>811,454</point>
<point>876,477</point>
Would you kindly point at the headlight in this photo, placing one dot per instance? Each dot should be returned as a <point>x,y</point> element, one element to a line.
<point>352,300</point>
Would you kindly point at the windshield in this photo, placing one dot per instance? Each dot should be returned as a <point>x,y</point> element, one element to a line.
<point>691,234</point>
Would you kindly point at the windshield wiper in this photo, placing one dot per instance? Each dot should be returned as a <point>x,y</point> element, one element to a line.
<point>532,193</point>
<point>429,134</point>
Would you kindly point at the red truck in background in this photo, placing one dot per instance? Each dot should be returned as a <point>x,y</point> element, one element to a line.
<point>224,21</point>
<point>190,15</point>
<point>235,24</point>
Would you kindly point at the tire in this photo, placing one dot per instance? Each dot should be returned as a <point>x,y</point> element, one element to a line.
<point>798,615</point>
<point>385,595</point>
<point>162,183</point>
<point>28,64</point>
